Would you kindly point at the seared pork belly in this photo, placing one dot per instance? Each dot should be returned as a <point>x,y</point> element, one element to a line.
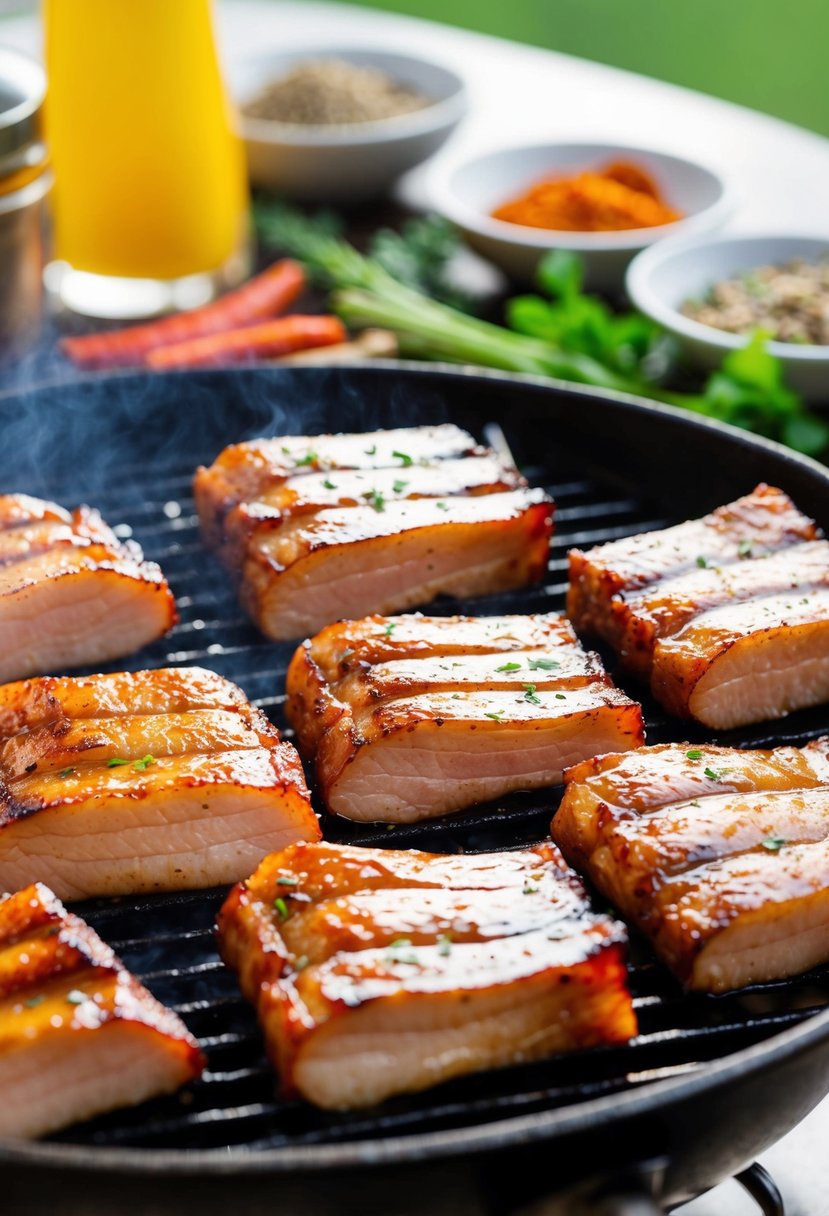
<point>727,616</point>
<point>72,593</point>
<point>143,781</point>
<point>377,971</point>
<point>331,526</point>
<point>411,717</point>
<point>79,1035</point>
<point>720,856</point>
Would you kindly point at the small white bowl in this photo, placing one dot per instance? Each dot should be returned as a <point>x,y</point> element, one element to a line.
<point>660,280</point>
<point>468,192</point>
<point>355,161</point>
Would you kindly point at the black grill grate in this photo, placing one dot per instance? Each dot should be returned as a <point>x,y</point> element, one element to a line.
<point>168,940</point>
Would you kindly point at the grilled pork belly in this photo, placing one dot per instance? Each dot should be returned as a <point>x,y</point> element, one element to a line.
<point>376,971</point>
<point>333,526</point>
<point>411,717</point>
<point>727,616</point>
<point>72,593</point>
<point>720,856</point>
<point>79,1035</point>
<point>144,781</point>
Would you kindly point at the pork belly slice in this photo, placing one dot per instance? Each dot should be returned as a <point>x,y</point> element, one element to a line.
<point>305,493</point>
<point>245,472</point>
<point>720,856</point>
<point>408,738</point>
<point>736,635</point>
<point>376,972</point>
<point>79,1035</point>
<point>752,527</point>
<point>345,562</point>
<point>146,781</point>
<point>71,593</point>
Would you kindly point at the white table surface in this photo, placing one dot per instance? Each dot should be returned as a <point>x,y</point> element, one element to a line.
<point>779,172</point>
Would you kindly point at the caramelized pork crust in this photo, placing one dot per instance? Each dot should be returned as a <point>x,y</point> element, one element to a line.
<point>727,616</point>
<point>720,856</point>
<point>141,781</point>
<point>330,526</point>
<point>410,717</point>
<point>72,593</point>
<point>79,1035</point>
<point>376,972</point>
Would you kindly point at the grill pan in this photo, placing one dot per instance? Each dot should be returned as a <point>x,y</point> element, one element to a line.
<point>710,1081</point>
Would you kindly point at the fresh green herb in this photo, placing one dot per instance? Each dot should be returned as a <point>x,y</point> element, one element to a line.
<point>694,754</point>
<point>712,774</point>
<point>144,762</point>
<point>529,889</point>
<point>560,696</point>
<point>444,944</point>
<point>281,907</point>
<point>287,880</point>
<point>329,484</point>
<point>774,843</point>
<point>496,715</point>
<point>399,486</point>
<point>702,562</point>
<point>390,628</point>
<point>393,954</point>
<point>442,506</point>
<point>34,1001</point>
<point>66,772</point>
<point>390,827</point>
<point>301,963</point>
<point>76,997</point>
<point>375,499</point>
<point>309,459</point>
<point>116,762</point>
<point>404,457</point>
<point>372,451</point>
<point>529,694</point>
<point>569,335</point>
<point>543,664</point>
<point>509,667</point>
<point>745,547</point>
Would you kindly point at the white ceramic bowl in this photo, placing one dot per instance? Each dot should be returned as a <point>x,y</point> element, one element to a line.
<point>660,280</point>
<point>468,192</point>
<point>356,161</point>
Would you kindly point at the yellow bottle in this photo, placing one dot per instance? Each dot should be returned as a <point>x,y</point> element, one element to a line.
<point>149,171</point>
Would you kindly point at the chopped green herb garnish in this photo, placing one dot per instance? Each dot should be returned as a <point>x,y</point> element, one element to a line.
<point>301,963</point>
<point>695,803</point>
<point>496,715</point>
<point>66,772</point>
<point>560,696</point>
<point>509,667</point>
<point>285,451</point>
<point>702,562</point>
<point>713,775</point>
<point>442,506</point>
<point>76,997</point>
<point>529,889</point>
<point>405,458</point>
<point>375,499</point>
<point>281,907</point>
<point>444,944</point>
<point>745,547</point>
<point>543,664</point>
<point>372,451</point>
<point>399,486</point>
<point>309,459</point>
<point>116,761</point>
<point>774,843</point>
<point>329,484</point>
<point>287,880</point>
<point>529,694</point>
<point>694,754</point>
<point>390,628</point>
<point>394,955</point>
<point>34,1001</point>
<point>144,762</point>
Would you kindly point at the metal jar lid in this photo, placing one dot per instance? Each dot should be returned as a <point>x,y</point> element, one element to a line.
<point>22,89</point>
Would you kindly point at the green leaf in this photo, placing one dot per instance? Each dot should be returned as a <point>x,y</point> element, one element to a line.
<point>560,273</point>
<point>806,433</point>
